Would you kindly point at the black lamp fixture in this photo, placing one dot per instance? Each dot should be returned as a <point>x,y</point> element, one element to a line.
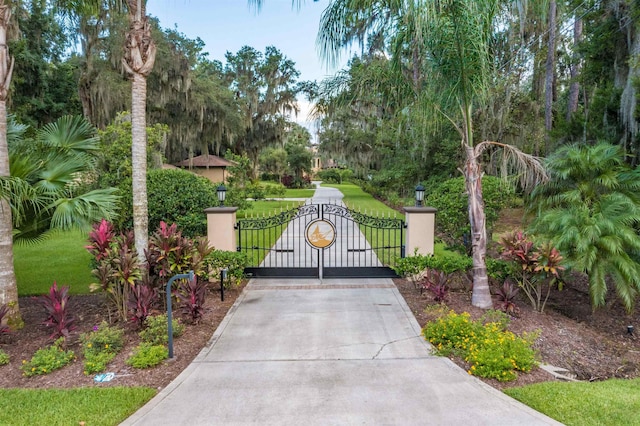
<point>419,195</point>
<point>222,194</point>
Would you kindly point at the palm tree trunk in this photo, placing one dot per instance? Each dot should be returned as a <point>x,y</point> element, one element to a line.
<point>8,285</point>
<point>140,55</point>
<point>139,163</point>
<point>481,296</point>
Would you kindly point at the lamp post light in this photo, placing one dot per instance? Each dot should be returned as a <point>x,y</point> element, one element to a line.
<point>222,194</point>
<point>419,195</point>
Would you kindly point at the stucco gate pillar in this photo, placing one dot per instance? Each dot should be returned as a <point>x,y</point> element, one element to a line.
<point>221,228</point>
<point>421,223</point>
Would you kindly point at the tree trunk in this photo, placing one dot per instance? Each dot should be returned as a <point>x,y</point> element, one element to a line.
<point>139,164</point>
<point>140,55</point>
<point>481,296</point>
<point>8,285</point>
<point>550,71</point>
<point>574,89</point>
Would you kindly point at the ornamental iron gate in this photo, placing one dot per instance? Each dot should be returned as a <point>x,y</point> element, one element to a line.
<point>321,241</point>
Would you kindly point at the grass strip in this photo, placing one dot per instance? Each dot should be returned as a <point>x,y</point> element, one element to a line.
<point>61,257</point>
<point>93,406</point>
<point>610,402</point>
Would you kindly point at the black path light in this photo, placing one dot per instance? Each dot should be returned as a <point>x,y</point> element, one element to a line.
<point>419,195</point>
<point>222,194</point>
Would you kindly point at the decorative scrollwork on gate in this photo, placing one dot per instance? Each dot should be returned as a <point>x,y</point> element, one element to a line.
<point>362,219</point>
<point>281,218</point>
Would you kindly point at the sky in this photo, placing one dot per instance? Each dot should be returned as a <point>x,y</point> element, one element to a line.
<point>228,25</point>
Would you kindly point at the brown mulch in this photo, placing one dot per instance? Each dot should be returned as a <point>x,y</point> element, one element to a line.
<point>590,345</point>
<point>90,310</point>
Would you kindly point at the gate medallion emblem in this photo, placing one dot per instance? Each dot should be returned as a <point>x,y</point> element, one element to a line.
<point>320,233</point>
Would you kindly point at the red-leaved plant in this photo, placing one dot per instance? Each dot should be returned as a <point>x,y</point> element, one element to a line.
<point>100,239</point>
<point>506,298</point>
<point>436,282</point>
<point>540,266</point>
<point>56,304</point>
<point>143,300</point>
<point>191,295</point>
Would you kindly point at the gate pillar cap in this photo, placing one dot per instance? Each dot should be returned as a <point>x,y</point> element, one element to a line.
<point>214,210</point>
<point>420,209</point>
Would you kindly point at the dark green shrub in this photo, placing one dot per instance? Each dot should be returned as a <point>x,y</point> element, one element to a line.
<point>451,200</point>
<point>155,332</point>
<point>233,261</point>
<point>174,196</point>
<point>147,355</point>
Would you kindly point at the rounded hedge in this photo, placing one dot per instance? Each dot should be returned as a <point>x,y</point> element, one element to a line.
<point>173,196</point>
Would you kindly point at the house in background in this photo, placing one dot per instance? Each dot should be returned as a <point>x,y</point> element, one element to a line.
<point>210,166</point>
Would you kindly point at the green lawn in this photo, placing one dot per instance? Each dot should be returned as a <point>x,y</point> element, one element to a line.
<point>299,193</point>
<point>61,258</point>
<point>611,402</point>
<point>93,406</point>
<point>356,198</point>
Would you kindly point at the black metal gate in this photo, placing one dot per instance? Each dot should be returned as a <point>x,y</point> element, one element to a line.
<point>363,245</point>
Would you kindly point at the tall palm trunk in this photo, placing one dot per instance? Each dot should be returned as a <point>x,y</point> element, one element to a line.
<point>139,58</point>
<point>574,89</point>
<point>8,285</point>
<point>550,71</point>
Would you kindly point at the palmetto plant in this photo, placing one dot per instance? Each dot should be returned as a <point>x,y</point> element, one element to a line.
<point>590,210</point>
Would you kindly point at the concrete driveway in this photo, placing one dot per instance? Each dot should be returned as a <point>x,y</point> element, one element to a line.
<point>343,352</point>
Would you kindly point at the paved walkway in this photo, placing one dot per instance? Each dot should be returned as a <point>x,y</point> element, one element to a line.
<point>330,352</point>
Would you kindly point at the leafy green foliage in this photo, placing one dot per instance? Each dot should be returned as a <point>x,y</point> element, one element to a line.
<point>156,329</point>
<point>490,351</point>
<point>590,210</point>
<point>234,262</point>
<point>174,196</point>
<point>56,306</point>
<point>451,200</point>
<point>47,359</point>
<point>100,346</point>
<point>147,355</point>
<point>4,358</point>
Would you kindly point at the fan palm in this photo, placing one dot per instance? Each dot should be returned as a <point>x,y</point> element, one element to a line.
<point>590,209</point>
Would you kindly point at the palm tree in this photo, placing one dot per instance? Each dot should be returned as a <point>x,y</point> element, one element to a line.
<point>8,287</point>
<point>590,209</point>
<point>140,54</point>
<point>455,38</point>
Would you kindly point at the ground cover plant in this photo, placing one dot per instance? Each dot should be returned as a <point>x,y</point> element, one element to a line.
<point>100,346</point>
<point>48,359</point>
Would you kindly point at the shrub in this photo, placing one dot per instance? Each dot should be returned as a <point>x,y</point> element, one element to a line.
<point>147,355</point>
<point>233,261</point>
<point>156,330</point>
<point>436,283</point>
<point>191,296</point>
<point>142,299</point>
<point>451,200</point>
<point>4,358</point>
<point>100,346</point>
<point>48,359</point>
<point>506,296</point>
<point>56,304</point>
<point>174,196</point>
<point>490,351</point>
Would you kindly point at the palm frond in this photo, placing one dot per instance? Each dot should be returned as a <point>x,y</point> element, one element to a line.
<point>528,169</point>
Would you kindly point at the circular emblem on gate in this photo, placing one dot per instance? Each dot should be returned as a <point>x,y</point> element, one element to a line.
<point>320,233</point>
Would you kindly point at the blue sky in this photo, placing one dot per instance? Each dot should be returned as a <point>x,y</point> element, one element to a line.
<point>227,25</point>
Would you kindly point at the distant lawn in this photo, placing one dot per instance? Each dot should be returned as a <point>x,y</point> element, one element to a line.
<point>611,402</point>
<point>356,198</point>
<point>299,193</point>
<point>93,406</point>
<point>61,258</point>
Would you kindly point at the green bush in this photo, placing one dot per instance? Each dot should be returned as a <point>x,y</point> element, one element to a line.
<point>174,196</point>
<point>4,358</point>
<point>233,261</point>
<point>490,351</point>
<point>155,332</point>
<point>452,202</point>
<point>100,346</point>
<point>147,355</point>
<point>47,359</point>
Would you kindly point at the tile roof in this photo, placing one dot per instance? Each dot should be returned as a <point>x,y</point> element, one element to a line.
<point>205,161</point>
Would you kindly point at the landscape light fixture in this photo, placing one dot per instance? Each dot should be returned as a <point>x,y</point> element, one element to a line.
<point>419,195</point>
<point>630,330</point>
<point>222,194</point>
